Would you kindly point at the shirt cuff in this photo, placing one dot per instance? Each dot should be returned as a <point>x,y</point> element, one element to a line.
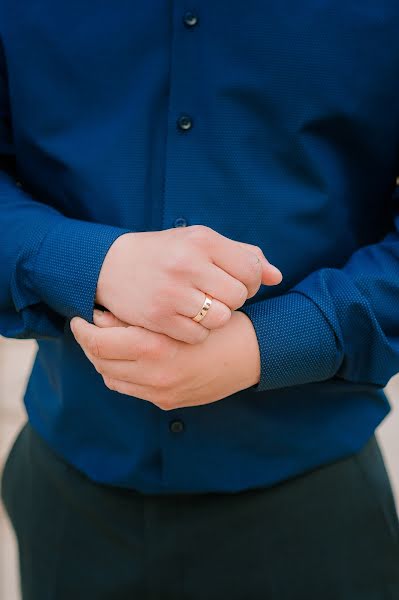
<point>297,344</point>
<point>63,270</point>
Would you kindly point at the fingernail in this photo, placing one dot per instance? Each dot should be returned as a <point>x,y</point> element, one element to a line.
<point>277,272</point>
<point>98,313</point>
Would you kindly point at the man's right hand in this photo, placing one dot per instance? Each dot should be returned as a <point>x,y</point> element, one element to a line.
<point>158,280</point>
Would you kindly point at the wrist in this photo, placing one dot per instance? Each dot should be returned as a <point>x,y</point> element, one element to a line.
<point>246,347</point>
<point>109,270</point>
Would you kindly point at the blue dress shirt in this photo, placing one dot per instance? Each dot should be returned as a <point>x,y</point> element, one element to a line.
<point>274,123</point>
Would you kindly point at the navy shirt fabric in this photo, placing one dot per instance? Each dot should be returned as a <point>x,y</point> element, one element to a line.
<point>274,123</point>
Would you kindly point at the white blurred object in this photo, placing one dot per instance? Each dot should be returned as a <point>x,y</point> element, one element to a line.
<point>388,436</point>
<point>16,357</point>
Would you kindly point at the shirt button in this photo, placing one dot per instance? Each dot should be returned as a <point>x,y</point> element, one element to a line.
<point>180,222</point>
<point>190,19</point>
<point>176,426</point>
<point>184,122</point>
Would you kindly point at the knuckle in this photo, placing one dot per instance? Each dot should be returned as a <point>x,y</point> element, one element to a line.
<point>165,379</point>
<point>176,261</point>
<point>110,383</point>
<point>166,403</point>
<point>99,367</point>
<point>254,266</point>
<point>156,347</point>
<point>93,346</point>
<point>222,316</point>
<point>156,313</point>
<point>199,234</point>
<point>258,251</point>
<point>203,335</point>
<point>242,295</point>
<point>198,335</point>
<point>254,289</point>
<point>239,296</point>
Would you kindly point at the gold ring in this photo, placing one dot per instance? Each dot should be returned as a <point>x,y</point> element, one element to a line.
<point>205,307</point>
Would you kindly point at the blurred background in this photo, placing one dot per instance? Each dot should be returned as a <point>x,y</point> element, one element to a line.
<point>16,358</point>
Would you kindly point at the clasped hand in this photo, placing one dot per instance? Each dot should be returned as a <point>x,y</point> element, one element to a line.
<point>152,284</point>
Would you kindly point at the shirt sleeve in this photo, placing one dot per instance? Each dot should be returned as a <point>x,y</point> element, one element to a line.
<point>341,323</point>
<point>49,264</point>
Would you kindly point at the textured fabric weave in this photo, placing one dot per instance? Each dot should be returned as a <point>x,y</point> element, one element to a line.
<point>293,146</point>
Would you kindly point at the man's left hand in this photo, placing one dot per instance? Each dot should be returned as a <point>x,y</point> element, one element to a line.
<point>169,373</point>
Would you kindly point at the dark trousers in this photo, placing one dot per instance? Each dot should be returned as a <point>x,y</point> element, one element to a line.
<point>331,534</point>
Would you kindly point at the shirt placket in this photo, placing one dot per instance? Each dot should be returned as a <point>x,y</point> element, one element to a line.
<point>183,121</point>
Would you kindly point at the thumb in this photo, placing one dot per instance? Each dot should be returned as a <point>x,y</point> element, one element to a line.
<point>107,319</point>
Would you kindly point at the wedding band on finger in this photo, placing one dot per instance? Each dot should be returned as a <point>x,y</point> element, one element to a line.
<point>205,307</point>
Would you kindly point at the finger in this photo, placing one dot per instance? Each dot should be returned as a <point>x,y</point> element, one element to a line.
<point>107,319</point>
<point>271,275</point>
<point>244,262</point>
<point>139,391</point>
<point>131,371</point>
<point>128,389</point>
<point>190,302</point>
<point>114,342</point>
<point>184,329</point>
<point>212,280</point>
<point>237,261</point>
